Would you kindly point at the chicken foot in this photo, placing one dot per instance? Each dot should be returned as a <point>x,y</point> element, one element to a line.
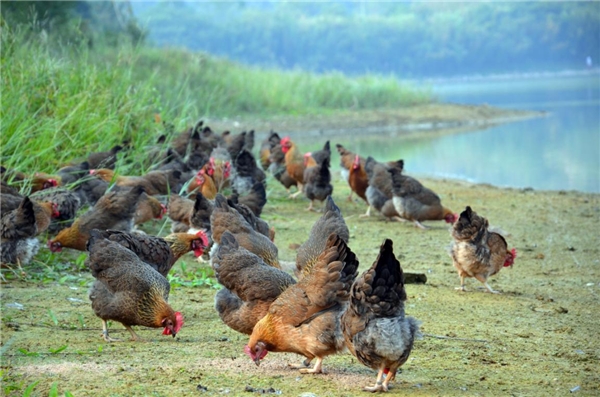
<point>420,225</point>
<point>294,195</point>
<point>134,336</point>
<point>380,385</point>
<point>484,282</point>
<point>317,369</point>
<point>303,364</point>
<point>366,214</point>
<point>462,285</point>
<point>105,333</point>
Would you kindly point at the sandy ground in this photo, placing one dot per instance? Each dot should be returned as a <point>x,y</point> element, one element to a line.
<point>539,337</point>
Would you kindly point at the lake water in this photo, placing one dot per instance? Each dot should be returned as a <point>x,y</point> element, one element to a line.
<point>557,152</point>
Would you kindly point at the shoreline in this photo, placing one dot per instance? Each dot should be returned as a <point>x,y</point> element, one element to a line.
<point>412,121</point>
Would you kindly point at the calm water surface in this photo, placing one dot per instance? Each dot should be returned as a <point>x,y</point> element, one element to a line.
<point>557,152</point>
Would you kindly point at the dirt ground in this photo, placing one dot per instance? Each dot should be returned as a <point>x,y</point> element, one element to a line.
<point>539,337</point>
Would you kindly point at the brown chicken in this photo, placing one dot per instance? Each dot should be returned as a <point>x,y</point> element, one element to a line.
<point>478,251</point>
<point>358,178</point>
<point>250,285</point>
<point>376,330</point>
<point>38,181</point>
<point>255,199</point>
<point>154,182</point>
<point>305,318</point>
<point>414,202</point>
<point>114,210</point>
<point>128,290</point>
<point>45,210</point>
<point>278,168</point>
<point>258,224</point>
<point>161,254</point>
<point>380,191</point>
<point>330,222</point>
<point>180,210</point>
<point>225,218</point>
<point>148,208</point>
<point>317,178</point>
<point>294,163</point>
<point>18,243</point>
<point>347,161</point>
<point>67,204</point>
<point>204,183</point>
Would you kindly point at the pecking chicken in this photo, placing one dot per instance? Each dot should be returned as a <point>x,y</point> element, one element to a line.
<point>330,222</point>
<point>225,218</point>
<point>154,182</point>
<point>414,202</point>
<point>478,251</point>
<point>294,163</point>
<point>114,210</point>
<point>250,285</point>
<point>375,328</point>
<point>18,242</point>
<point>148,208</point>
<point>179,212</point>
<point>305,318</point>
<point>160,253</point>
<point>67,204</point>
<point>128,290</point>
<point>37,181</point>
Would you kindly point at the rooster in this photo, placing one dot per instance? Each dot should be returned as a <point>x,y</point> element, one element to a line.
<point>305,318</point>
<point>478,251</point>
<point>294,163</point>
<point>347,163</point>
<point>128,290</point>
<point>278,168</point>
<point>375,328</point>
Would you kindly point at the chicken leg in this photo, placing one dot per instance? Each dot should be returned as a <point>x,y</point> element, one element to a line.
<point>366,214</point>
<point>105,333</point>
<point>379,384</point>
<point>317,369</point>
<point>134,336</point>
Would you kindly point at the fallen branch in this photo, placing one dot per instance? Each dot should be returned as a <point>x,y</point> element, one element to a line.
<point>458,339</point>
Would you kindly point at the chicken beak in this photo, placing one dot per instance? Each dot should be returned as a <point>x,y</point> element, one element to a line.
<point>257,361</point>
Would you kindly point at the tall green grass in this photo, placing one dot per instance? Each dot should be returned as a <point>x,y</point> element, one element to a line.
<point>60,102</point>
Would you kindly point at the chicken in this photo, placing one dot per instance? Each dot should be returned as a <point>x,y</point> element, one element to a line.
<point>70,174</point>
<point>247,173</point>
<point>45,209</point>
<point>358,178</point>
<point>379,193</point>
<point>67,204</point>
<point>237,144</point>
<point>225,218</point>
<point>317,180</point>
<point>38,181</point>
<point>414,202</point>
<point>161,254</point>
<point>294,163</point>
<point>255,199</point>
<point>266,147</point>
<point>278,168</point>
<point>478,251</point>
<point>204,183</point>
<point>148,208</point>
<point>375,327</point>
<point>104,159</point>
<point>347,161</point>
<point>128,290</point>
<point>18,242</point>
<point>190,215</point>
<point>114,210</point>
<point>250,285</point>
<point>330,222</point>
<point>154,182</point>
<point>305,318</point>
<point>255,222</point>
<point>181,142</point>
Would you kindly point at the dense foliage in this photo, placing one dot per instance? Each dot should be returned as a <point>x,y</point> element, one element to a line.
<point>408,39</point>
